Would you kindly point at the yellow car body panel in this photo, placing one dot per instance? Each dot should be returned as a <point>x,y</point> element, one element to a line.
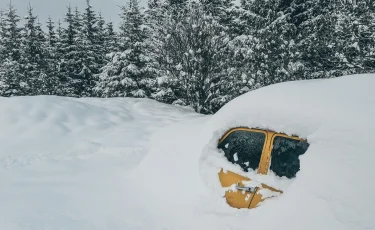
<point>242,199</point>
<point>234,198</point>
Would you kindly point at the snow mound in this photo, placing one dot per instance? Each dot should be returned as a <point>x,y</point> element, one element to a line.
<point>60,127</point>
<point>63,161</point>
<point>53,115</point>
<point>125,163</point>
<point>333,189</point>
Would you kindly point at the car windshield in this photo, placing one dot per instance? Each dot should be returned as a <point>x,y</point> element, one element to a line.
<point>285,156</point>
<point>244,148</point>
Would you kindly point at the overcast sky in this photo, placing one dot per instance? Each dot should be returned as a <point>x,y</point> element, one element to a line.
<point>57,8</point>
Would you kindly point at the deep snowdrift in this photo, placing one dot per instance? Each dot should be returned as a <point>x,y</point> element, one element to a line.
<point>91,164</point>
<point>63,161</point>
<point>333,190</point>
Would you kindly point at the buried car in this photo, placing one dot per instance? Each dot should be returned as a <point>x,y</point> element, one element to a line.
<point>293,155</point>
<point>260,150</point>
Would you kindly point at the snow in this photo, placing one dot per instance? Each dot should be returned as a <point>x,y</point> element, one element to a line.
<point>63,161</point>
<point>125,163</point>
<point>333,189</point>
<point>235,157</point>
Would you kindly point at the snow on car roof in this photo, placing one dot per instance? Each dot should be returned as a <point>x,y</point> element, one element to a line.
<point>301,107</point>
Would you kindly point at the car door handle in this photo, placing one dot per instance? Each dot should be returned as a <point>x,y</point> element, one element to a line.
<point>246,189</point>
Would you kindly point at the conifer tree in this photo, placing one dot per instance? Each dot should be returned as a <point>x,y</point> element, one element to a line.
<point>69,66</point>
<point>34,55</point>
<point>220,10</point>
<point>51,35</point>
<point>13,81</point>
<point>129,73</point>
<point>101,39</point>
<point>90,51</point>
<point>12,38</point>
<point>58,57</point>
<point>2,37</point>
<point>52,59</point>
<point>45,82</point>
<point>102,44</point>
<point>315,38</point>
<point>111,39</point>
<point>195,56</point>
<point>2,51</point>
<point>364,27</point>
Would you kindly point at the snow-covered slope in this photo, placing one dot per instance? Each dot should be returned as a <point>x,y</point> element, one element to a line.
<point>87,164</point>
<point>333,190</point>
<point>63,161</point>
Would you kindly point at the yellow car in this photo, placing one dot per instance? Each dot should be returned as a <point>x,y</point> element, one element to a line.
<point>262,151</point>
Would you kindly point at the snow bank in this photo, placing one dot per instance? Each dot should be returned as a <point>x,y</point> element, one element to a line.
<point>126,163</point>
<point>333,189</point>
<point>58,127</point>
<point>63,161</point>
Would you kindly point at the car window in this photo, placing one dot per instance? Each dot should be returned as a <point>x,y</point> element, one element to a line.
<point>243,147</point>
<point>285,156</point>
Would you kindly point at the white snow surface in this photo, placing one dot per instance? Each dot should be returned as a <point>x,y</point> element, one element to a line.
<point>333,190</point>
<point>63,161</point>
<point>137,164</point>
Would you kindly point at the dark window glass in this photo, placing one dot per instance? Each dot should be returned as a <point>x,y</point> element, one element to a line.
<point>243,148</point>
<point>285,156</point>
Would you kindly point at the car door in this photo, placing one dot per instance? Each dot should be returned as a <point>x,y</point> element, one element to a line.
<point>245,196</point>
<point>244,147</point>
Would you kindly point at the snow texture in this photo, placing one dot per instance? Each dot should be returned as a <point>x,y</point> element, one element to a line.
<point>108,163</point>
<point>333,189</point>
<point>63,161</point>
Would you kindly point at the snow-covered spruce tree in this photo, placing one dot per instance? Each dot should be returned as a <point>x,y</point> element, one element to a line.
<point>51,33</point>
<point>91,51</point>
<point>2,36</point>
<point>348,57</point>
<point>221,11</point>
<point>328,37</point>
<point>129,73</point>
<point>176,5</point>
<point>12,39</point>
<point>155,19</point>
<point>364,26</point>
<point>70,65</point>
<point>59,54</point>
<point>275,53</point>
<point>304,39</point>
<point>45,83</point>
<point>66,49</point>
<point>100,37</point>
<point>106,39</point>
<point>59,31</point>
<point>155,13</point>
<point>110,39</point>
<point>34,54</point>
<point>13,82</point>
<point>315,37</point>
<point>52,58</point>
<point>196,60</point>
<point>2,50</point>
